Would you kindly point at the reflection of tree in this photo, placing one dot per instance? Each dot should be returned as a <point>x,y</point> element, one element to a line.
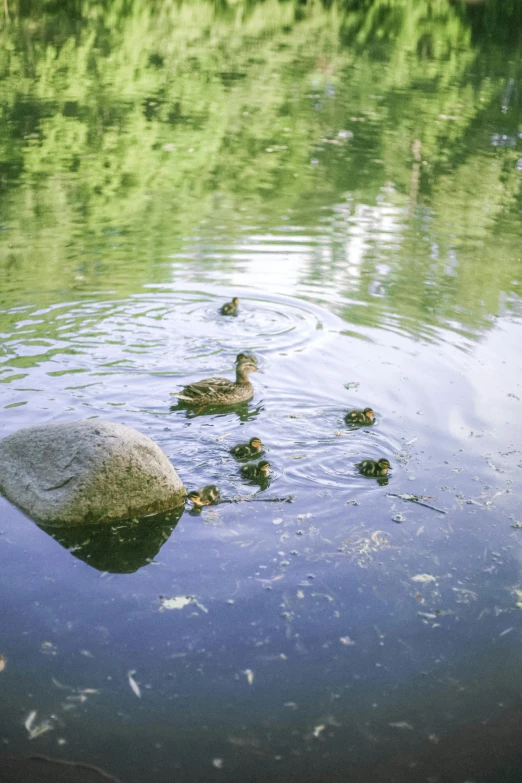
<point>121,120</point>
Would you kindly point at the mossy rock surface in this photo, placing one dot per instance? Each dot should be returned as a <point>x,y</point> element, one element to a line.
<point>87,472</point>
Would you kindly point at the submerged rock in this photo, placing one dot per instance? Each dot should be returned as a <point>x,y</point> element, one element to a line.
<point>87,472</point>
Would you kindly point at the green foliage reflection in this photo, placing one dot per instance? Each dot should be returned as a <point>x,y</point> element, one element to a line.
<point>124,125</point>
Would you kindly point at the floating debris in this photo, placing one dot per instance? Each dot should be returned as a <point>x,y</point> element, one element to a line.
<point>78,698</point>
<point>180,602</point>
<point>399,518</point>
<point>277,521</point>
<point>41,728</point>
<point>361,547</point>
<point>3,662</point>
<point>48,648</point>
<point>249,675</point>
<point>30,720</point>
<point>401,724</point>
<point>424,578</point>
<point>375,537</point>
<point>134,685</point>
<point>218,763</point>
<point>317,730</point>
<point>465,596</point>
<point>253,499</point>
<point>346,641</point>
<point>416,499</point>
<point>177,602</point>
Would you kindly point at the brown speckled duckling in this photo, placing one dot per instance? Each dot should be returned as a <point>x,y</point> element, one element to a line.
<point>247,450</point>
<point>205,497</point>
<point>257,471</point>
<point>358,416</point>
<point>230,308</point>
<point>370,467</point>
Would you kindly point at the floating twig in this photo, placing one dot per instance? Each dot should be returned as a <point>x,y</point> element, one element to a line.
<point>415,499</point>
<point>253,498</point>
<point>79,765</point>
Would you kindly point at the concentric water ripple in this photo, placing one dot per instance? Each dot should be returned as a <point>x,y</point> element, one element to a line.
<point>121,359</point>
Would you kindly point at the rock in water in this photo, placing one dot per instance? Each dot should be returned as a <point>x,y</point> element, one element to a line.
<point>87,472</point>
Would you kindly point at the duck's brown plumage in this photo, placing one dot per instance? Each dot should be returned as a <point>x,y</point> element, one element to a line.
<point>220,391</point>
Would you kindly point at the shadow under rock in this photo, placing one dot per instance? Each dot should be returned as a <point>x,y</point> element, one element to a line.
<point>122,548</point>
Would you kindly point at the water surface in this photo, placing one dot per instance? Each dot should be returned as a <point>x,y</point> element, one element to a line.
<point>353,176</point>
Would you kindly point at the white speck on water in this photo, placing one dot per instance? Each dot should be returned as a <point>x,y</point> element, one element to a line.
<point>134,685</point>
<point>424,578</point>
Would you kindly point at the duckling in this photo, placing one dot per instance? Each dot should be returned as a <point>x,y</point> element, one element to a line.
<point>246,357</point>
<point>358,416</point>
<point>247,450</point>
<point>230,308</point>
<point>370,467</point>
<point>219,391</point>
<point>257,471</point>
<point>204,497</point>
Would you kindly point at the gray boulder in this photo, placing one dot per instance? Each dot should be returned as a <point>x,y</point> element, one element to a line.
<point>87,472</point>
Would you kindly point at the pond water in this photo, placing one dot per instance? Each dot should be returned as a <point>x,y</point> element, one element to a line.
<point>352,173</point>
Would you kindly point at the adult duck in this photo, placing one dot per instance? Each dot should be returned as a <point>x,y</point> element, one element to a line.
<point>219,391</point>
